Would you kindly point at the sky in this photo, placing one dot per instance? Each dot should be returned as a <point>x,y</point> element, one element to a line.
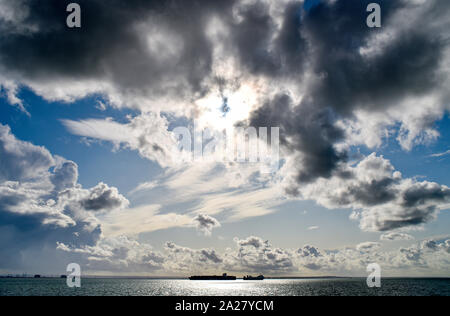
<point>92,170</point>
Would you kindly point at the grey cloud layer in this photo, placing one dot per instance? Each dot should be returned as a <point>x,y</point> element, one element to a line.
<point>152,48</point>
<point>112,43</point>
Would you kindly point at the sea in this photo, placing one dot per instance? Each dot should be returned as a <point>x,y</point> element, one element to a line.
<point>272,287</point>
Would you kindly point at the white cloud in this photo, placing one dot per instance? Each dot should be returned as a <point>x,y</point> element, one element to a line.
<point>146,186</point>
<point>147,133</point>
<point>396,236</point>
<point>368,246</point>
<point>118,254</point>
<point>209,189</point>
<point>438,155</point>
<point>22,161</point>
<point>142,219</point>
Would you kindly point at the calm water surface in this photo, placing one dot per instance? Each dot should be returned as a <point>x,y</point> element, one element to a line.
<point>142,287</point>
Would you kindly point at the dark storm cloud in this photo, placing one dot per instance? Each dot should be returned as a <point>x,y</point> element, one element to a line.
<point>147,48</point>
<point>307,130</point>
<point>336,44</point>
<point>331,37</point>
<point>110,45</point>
<point>292,47</point>
<point>252,39</point>
<point>407,66</point>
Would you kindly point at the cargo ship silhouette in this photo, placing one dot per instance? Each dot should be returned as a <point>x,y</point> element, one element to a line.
<point>224,277</point>
<point>251,278</point>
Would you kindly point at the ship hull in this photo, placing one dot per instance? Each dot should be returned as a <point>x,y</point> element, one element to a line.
<point>250,278</point>
<point>212,278</point>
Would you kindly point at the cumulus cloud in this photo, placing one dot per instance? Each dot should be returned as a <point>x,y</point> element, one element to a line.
<point>119,254</point>
<point>102,197</point>
<point>309,251</point>
<point>368,246</point>
<point>420,253</point>
<point>206,224</point>
<point>184,259</point>
<point>21,160</point>
<point>422,256</point>
<point>255,255</point>
<point>41,203</point>
<point>382,198</point>
<point>396,236</point>
<point>252,241</point>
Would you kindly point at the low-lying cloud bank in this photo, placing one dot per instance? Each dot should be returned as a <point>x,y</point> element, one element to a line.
<point>255,255</point>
